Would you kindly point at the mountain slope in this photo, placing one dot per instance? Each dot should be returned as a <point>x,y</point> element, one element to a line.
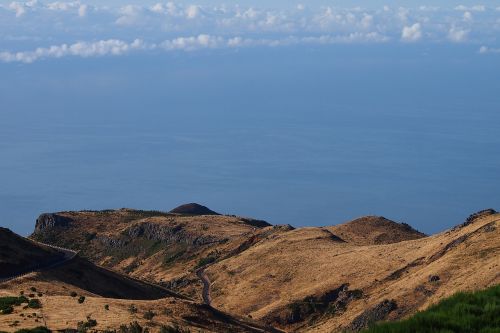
<point>165,248</point>
<point>103,295</point>
<point>308,280</point>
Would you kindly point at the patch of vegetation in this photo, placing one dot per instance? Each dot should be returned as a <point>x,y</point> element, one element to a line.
<point>81,299</point>
<point>149,315</point>
<point>34,303</point>
<point>84,326</point>
<point>173,254</point>
<point>7,310</point>
<point>461,313</point>
<point>106,307</point>
<point>73,294</point>
<point>133,328</point>
<point>132,309</point>
<point>173,329</point>
<point>89,236</point>
<point>205,261</point>
<point>8,302</point>
<point>40,329</point>
<point>33,289</point>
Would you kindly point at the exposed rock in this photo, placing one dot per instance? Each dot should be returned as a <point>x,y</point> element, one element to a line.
<point>424,291</point>
<point>111,242</point>
<point>399,272</point>
<point>333,302</point>
<point>168,233</point>
<point>49,221</point>
<point>377,313</point>
<point>475,216</point>
<point>448,247</point>
<point>193,209</point>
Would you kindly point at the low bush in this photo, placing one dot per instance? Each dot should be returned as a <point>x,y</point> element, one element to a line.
<point>34,303</point>
<point>132,309</point>
<point>7,302</point>
<point>73,294</point>
<point>7,310</point>
<point>84,326</point>
<point>149,315</point>
<point>205,261</point>
<point>81,299</point>
<point>106,307</point>
<point>173,329</point>
<point>40,329</point>
<point>461,313</point>
<point>133,328</point>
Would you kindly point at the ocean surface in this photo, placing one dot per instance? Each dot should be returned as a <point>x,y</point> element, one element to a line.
<point>308,136</point>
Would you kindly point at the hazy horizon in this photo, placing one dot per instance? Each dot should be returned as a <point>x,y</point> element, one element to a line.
<point>304,114</point>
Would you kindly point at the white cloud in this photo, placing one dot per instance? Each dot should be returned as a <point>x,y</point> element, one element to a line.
<point>476,8</point>
<point>18,8</point>
<point>366,21</point>
<point>115,47</point>
<point>467,16</point>
<point>81,49</point>
<point>129,15</point>
<point>457,34</point>
<point>82,10</point>
<point>192,11</point>
<point>412,33</point>
<point>485,50</point>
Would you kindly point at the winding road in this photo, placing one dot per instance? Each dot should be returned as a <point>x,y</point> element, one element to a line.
<point>200,272</point>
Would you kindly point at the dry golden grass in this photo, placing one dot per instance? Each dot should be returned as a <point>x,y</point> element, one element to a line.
<point>263,280</point>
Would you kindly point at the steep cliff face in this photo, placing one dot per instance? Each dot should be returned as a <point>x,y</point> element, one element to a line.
<point>48,221</point>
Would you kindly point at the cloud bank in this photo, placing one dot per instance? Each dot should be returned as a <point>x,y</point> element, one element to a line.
<point>52,29</point>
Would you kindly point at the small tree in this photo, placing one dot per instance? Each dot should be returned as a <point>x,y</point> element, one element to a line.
<point>149,315</point>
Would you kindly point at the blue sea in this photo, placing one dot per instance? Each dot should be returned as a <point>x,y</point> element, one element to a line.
<point>307,136</point>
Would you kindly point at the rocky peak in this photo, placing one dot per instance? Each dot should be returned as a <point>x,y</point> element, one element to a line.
<point>193,209</point>
<point>48,221</point>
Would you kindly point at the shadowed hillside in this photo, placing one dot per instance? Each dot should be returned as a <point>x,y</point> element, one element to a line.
<point>18,254</point>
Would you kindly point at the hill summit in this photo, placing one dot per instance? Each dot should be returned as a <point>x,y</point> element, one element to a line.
<point>193,209</point>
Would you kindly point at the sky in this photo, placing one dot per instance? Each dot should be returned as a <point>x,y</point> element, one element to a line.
<point>304,113</point>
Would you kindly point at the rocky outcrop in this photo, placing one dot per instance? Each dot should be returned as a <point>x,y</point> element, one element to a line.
<point>333,302</point>
<point>50,221</point>
<point>377,313</point>
<point>473,217</point>
<point>168,234</point>
<point>193,209</point>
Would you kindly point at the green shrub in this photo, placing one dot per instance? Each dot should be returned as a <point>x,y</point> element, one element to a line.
<point>133,328</point>
<point>173,329</point>
<point>149,315</point>
<point>205,261</point>
<point>34,304</point>
<point>7,310</point>
<point>81,299</point>
<point>461,313</point>
<point>39,329</point>
<point>84,326</point>
<point>106,307</point>
<point>9,301</point>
